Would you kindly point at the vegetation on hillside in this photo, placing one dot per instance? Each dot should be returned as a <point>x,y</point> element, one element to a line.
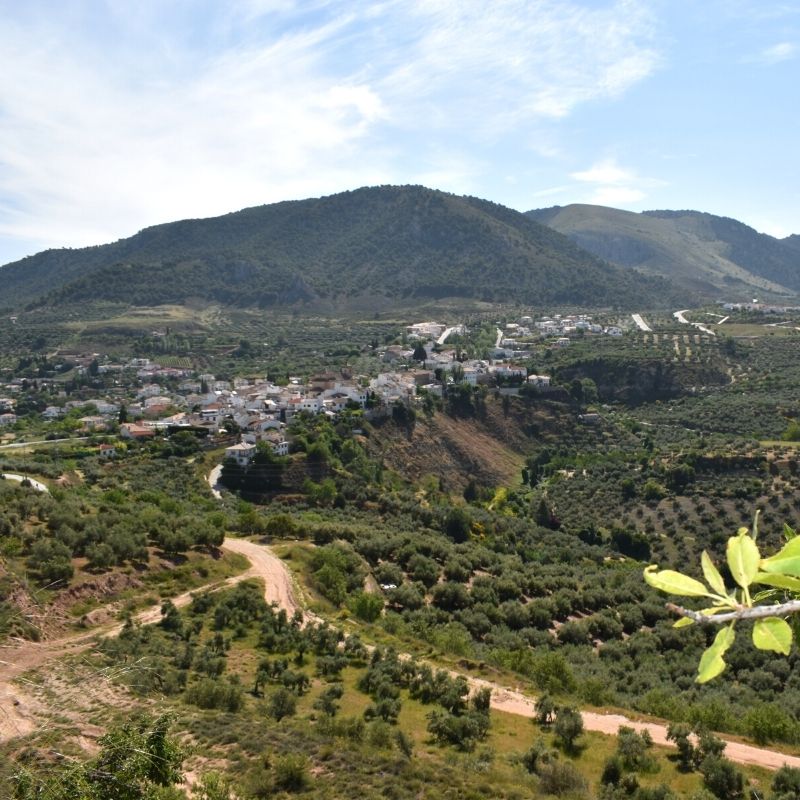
<point>384,245</point>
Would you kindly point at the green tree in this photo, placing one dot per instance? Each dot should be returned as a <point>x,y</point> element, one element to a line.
<point>680,734</point>
<point>568,726</point>
<point>722,778</point>
<point>282,703</point>
<point>545,709</point>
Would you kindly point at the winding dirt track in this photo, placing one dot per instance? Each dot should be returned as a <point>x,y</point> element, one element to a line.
<point>16,718</point>
<point>17,708</point>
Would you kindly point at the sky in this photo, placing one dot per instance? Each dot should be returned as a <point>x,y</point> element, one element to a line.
<point>116,115</point>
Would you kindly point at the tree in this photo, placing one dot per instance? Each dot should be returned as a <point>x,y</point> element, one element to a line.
<point>282,703</point>
<point>786,783</point>
<point>568,726</point>
<point>365,606</point>
<point>52,560</point>
<point>420,354</point>
<point>326,702</point>
<point>680,733</point>
<point>633,749</point>
<point>545,709</point>
<point>722,778</point>
<point>457,524</point>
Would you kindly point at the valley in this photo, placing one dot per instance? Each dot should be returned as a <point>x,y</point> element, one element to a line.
<point>484,503</point>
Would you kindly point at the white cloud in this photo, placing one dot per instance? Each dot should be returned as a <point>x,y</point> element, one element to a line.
<point>521,59</point>
<point>115,116</point>
<point>614,185</point>
<point>606,171</point>
<point>783,51</point>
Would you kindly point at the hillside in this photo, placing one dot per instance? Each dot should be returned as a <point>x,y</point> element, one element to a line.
<point>701,252</point>
<point>792,241</point>
<point>373,246</point>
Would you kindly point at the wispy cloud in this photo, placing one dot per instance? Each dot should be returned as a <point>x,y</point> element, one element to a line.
<point>613,184</point>
<point>132,115</point>
<point>776,53</point>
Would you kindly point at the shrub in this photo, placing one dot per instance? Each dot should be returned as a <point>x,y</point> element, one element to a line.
<point>291,772</point>
<point>560,778</point>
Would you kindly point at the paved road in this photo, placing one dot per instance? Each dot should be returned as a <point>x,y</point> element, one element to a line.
<point>448,332</point>
<point>213,481</point>
<point>38,485</point>
<point>641,324</point>
<point>679,315</point>
<point>44,441</point>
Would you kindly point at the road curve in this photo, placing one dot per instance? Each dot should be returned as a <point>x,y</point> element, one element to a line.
<point>279,588</point>
<point>37,485</point>
<point>641,324</point>
<point>20,656</point>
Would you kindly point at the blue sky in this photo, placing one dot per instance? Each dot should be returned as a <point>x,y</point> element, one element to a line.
<point>117,115</point>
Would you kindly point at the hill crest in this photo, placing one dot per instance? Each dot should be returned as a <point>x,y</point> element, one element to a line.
<point>708,254</point>
<point>380,245</point>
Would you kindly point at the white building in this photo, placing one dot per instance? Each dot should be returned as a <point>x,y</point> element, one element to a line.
<point>241,453</point>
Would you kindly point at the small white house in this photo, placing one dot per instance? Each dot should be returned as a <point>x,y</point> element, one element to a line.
<point>241,453</point>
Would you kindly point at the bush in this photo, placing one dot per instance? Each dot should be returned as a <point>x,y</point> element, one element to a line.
<point>722,778</point>
<point>291,773</point>
<point>767,722</point>
<point>208,693</point>
<point>52,560</point>
<point>282,703</point>
<point>366,607</point>
<point>560,777</point>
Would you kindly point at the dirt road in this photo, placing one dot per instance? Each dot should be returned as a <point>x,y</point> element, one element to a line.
<point>17,710</point>
<point>514,702</point>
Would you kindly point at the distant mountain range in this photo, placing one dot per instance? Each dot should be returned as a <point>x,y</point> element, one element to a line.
<point>393,246</point>
<point>709,255</point>
<point>372,247</point>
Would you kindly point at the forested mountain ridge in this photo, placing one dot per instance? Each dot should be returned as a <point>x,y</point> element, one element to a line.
<point>389,243</point>
<point>703,252</point>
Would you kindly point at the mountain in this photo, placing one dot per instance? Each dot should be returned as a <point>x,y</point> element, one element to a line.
<point>370,246</point>
<point>702,252</point>
<point>792,241</point>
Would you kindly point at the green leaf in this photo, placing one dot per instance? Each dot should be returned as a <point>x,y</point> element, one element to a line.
<point>786,561</point>
<point>711,662</point>
<point>672,582</point>
<point>743,559</point>
<point>710,667</point>
<point>755,524</point>
<point>774,634</point>
<point>712,576</point>
<point>683,622</point>
<point>788,532</point>
<point>779,581</point>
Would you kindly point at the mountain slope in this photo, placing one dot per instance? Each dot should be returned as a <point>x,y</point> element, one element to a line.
<point>792,241</point>
<point>703,252</point>
<point>396,243</point>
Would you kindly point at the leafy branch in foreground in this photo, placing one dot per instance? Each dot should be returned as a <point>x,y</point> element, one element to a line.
<point>779,574</point>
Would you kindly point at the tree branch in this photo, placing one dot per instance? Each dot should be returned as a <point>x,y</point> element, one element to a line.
<point>757,612</point>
